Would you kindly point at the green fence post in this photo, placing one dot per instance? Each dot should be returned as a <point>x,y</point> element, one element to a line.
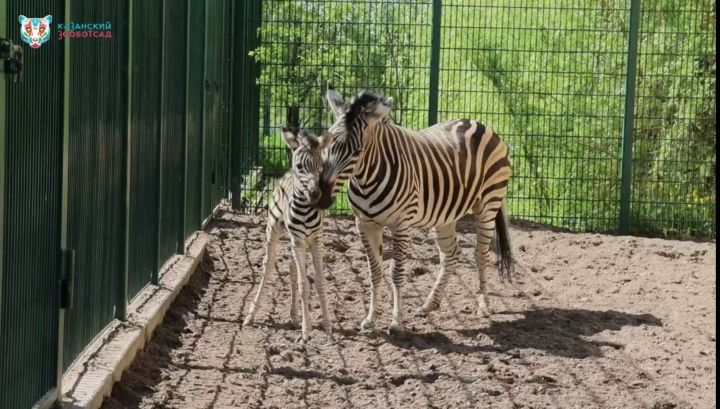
<point>3,130</point>
<point>435,62</point>
<point>180,238</point>
<point>65,193</point>
<point>123,287</point>
<point>155,277</point>
<point>629,118</point>
<point>186,158</point>
<point>229,98</point>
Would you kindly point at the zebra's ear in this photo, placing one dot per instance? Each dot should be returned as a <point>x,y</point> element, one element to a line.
<point>336,102</point>
<point>382,109</point>
<point>291,138</point>
<point>325,140</point>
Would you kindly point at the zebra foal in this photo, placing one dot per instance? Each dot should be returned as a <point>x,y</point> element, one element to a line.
<point>292,209</point>
<point>404,179</point>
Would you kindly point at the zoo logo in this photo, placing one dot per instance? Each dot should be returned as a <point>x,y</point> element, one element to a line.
<point>35,31</point>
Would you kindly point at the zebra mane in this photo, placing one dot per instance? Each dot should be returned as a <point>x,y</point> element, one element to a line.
<point>358,104</point>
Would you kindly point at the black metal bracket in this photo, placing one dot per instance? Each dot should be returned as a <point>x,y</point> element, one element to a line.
<point>11,57</point>
<point>67,275</point>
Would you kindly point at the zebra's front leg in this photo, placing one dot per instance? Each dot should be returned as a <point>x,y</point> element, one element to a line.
<point>446,241</point>
<point>299,246</point>
<point>371,237</point>
<point>269,259</point>
<point>401,245</point>
<point>293,291</point>
<point>316,249</point>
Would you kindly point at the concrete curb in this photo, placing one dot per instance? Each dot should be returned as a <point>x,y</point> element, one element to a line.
<point>91,377</point>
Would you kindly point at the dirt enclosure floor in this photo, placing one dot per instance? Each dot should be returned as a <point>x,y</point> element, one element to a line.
<point>591,321</point>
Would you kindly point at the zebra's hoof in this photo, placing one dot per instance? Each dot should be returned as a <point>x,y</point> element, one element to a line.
<point>248,321</point>
<point>294,318</point>
<point>429,307</point>
<point>302,339</point>
<point>293,324</point>
<point>484,312</point>
<point>330,337</point>
<point>395,329</point>
<point>367,325</point>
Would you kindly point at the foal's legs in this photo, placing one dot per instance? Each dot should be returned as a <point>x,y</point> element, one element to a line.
<point>316,249</point>
<point>299,246</point>
<point>272,237</point>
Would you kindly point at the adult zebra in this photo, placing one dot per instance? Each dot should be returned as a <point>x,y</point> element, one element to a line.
<point>403,179</point>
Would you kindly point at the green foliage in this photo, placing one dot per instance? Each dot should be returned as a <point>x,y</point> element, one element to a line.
<point>547,75</point>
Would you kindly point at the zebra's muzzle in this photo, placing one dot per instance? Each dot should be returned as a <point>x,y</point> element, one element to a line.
<point>326,197</point>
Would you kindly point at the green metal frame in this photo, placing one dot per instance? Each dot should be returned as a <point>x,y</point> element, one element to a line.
<point>155,277</point>
<point>181,239</point>
<point>435,62</point>
<point>64,213</point>
<point>123,287</point>
<point>231,103</point>
<point>3,136</point>
<point>629,118</point>
<point>203,165</point>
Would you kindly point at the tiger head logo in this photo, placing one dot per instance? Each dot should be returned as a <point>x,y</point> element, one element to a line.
<point>35,31</point>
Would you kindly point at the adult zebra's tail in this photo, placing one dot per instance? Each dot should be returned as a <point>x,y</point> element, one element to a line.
<point>504,254</point>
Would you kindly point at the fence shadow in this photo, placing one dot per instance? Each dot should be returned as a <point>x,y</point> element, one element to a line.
<point>146,371</point>
<point>552,330</point>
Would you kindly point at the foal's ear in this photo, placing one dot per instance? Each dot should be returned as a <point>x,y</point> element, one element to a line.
<point>325,140</point>
<point>336,102</point>
<point>291,138</point>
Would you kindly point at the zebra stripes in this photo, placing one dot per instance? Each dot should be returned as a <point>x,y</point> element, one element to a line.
<point>292,209</point>
<point>404,179</point>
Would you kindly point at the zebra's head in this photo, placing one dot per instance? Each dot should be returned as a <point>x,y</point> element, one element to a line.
<point>307,163</point>
<point>352,123</point>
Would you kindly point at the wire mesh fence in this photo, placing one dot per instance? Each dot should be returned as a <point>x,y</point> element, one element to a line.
<point>548,76</point>
<point>673,192</point>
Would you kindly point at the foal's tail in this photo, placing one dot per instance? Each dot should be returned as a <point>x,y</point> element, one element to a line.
<point>502,244</point>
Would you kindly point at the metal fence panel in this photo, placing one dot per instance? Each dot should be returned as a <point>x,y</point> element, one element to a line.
<point>212,127</point>
<point>306,46</point>
<point>143,143</point>
<point>172,129</point>
<point>97,158</point>
<point>121,131</point>
<point>245,97</point>
<point>548,76</point>
<point>194,147</point>
<point>673,182</point>
<point>31,164</point>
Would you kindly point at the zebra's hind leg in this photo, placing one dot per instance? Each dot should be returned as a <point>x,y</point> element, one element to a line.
<point>485,226</point>
<point>449,254</point>
<point>401,244</point>
<point>269,259</point>
<point>371,237</point>
<point>316,249</point>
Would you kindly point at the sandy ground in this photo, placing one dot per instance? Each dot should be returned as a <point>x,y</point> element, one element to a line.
<point>592,321</point>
